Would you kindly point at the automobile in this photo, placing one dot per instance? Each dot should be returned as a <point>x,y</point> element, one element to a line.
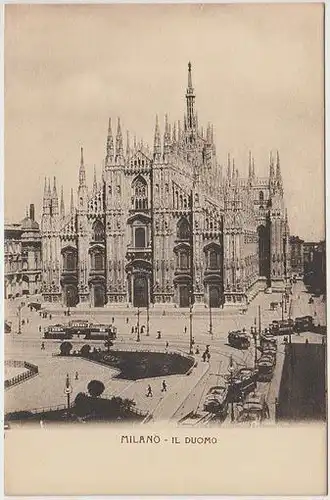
<point>34,305</point>
<point>238,339</point>
<point>254,409</point>
<point>266,364</point>
<point>269,349</point>
<point>242,382</point>
<point>304,324</point>
<point>282,327</point>
<point>216,400</point>
<point>267,339</point>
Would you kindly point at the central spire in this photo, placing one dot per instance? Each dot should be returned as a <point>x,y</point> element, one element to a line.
<point>190,98</point>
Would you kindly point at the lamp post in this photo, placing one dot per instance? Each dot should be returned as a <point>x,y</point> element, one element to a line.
<point>210,311</point>
<point>254,334</point>
<point>231,370</point>
<point>191,323</point>
<point>68,390</point>
<point>19,319</point>
<point>282,305</point>
<point>147,334</point>
<point>138,325</point>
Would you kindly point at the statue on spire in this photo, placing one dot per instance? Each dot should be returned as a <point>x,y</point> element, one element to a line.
<point>82,173</point>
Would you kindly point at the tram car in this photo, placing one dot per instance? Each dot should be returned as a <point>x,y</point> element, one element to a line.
<point>304,324</point>
<point>238,339</point>
<point>57,332</point>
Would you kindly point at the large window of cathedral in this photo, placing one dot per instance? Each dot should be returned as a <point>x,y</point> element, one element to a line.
<point>140,237</point>
<point>213,259</point>
<point>97,260</point>
<point>98,231</point>
<point>69,260</point>
<point>183,230</point>
<point>140,194</point>
<point>183,259</point>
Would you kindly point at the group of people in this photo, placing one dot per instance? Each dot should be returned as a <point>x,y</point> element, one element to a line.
<point>149,389</point>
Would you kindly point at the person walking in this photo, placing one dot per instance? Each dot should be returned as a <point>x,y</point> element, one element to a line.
<point>166,346</point>
<point>42,346</point>
<point>159,335</point>
<point>132,329</point>
<point>127,320</point>
<point>185,329</point>
<point>149,391</point>
<point>164,386</point>
<point>40,328</point>
<point>76,377</point>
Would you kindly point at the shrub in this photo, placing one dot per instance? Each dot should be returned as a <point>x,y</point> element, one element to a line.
<point>85,350</point>
<point>65,348</point>
<point>95,388</point>
<point>82,404</point>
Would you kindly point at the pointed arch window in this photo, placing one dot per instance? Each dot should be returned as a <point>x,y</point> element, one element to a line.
<point>69,260</point>
<point>140,237</point>
<point>97,260</point>
<point>183,230</point>
<point>140,194</point>
<point>98,231</point>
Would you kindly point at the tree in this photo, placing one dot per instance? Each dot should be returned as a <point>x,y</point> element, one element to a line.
<point>95,388</point>
<point>85,350</point>
<point>65,348</point>
<point>82,404</point>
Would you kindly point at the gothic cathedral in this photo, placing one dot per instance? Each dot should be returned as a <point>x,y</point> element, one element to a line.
<point>166,228</point>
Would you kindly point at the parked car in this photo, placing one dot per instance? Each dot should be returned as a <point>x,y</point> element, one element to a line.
<point>282,327</point>
<point>254,409</point>
<point>304,324</point>
<point>238,339</point>
<point>216,400</point>
<point>242,382</point>
<point>266,364</point>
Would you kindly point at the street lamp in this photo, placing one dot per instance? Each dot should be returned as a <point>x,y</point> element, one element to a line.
<point>19,319</point>
<point>68,390</point>
<point>191,323</point>
<point>254,334</point>
<point>210,311</point>
<point>147,334</point>
<point>138,325</point>
<point>231,371</point>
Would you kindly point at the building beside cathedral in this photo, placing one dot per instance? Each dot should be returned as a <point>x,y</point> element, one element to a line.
<point>166,227</point>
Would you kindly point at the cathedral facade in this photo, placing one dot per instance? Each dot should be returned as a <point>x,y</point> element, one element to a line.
<point>166,227</point>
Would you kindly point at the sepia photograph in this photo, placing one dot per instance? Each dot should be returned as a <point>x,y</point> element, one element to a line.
<point>164,225</point>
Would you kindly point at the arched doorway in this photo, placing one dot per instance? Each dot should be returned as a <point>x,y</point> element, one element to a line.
<point>70,295</point>
<point>214,296</point>
<point>98,295</point>
<point>140,291</point>
<point>184,295</point>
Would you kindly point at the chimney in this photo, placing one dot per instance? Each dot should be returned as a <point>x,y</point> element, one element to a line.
<point>32,211</point>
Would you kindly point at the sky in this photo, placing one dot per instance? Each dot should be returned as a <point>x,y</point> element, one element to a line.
<point>257,72</point>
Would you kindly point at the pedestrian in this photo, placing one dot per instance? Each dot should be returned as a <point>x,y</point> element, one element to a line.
<point>164,386</point>
<point>193,341</point>
<point>50,316</point>
<point>113,320</point>
<point>76,377</point>
<point>306,342</point>
<point>149,391</point>
<point>159,335</point>
<point>208,356</point>
<point>132,329</point>
<point>27,321</point>
<point>166,346</point>
<point>197,350</point>
<point>142,329</point>
<point>127,320</point>
<point>42,346</point>
<point>185,329</point>
<point>204,356</point>
<point>40,328</point>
